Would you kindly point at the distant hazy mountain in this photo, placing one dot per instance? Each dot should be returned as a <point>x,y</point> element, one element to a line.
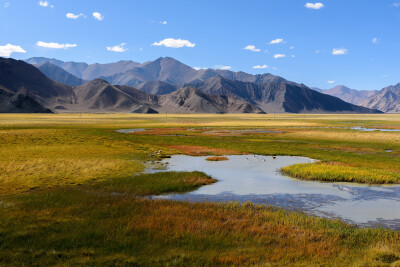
<point>349,95</point>
<point>59,74</point>
<point>386,100</point>
<point>282,96</point>
<point>11,102</point>
<point>87,71</point>
<point>165,69</point>
<point>157,87</point>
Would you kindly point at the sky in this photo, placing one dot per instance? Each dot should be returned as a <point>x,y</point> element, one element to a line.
<point>320,43</point>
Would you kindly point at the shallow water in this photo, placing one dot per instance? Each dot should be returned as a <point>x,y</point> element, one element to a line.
<point>374,129</point>
<point>258,179</point>
<point>130,130</point>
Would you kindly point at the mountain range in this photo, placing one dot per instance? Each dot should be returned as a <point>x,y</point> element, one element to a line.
<point>349,95</point>
<point>386,100</point>
<point>162,85</point>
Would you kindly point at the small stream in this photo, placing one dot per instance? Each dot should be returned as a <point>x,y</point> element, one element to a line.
<point>257,179</point>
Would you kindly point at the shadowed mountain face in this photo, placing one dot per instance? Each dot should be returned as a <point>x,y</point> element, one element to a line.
<point>280,96</point>
<point>59,74</point>
<point>349,95</point>
<point>192,100</point>
<point>386,100</point>
<point>22,78</point>
<point>11,102</point>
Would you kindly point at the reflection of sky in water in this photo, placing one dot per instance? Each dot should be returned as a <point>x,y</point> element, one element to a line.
<point>130,130</point>
<point>257,179</point>
<point>374,129</point>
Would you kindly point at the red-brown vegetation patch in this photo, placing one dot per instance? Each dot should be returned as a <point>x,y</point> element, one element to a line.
<point>203,151</point>
<point>217,158</point>
<point>163,131</point>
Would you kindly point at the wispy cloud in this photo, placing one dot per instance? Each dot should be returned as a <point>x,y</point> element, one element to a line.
<point>117,48</point>
<point>339,51</point>
<point>395,5</point>
<point>375,40</point>
<point>222,67</point>
<point>8,49</point>
<point>174,43</point>
<point>277,41</point>
<point>291,48</point>
<point>55,45</point>
<point>45,3</point>
<point>74,16</point>
<point>314,5</point>
<point>163,22</point>
<point>98,16</point>
<point>261,66</point>
<point>7,4</point>
<point>252,48</point>
<point>330,82</point>
<point>279,56</point>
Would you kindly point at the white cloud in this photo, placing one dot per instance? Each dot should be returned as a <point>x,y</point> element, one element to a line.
<point>74,16</point>
<point>277,41</point>
<point>260,67</point>
<point>293,56</point>
<point>330,82</point>
<point>7,4</point>
<point>395,5</point>
<point>375,40</point>
<point>98,16</point>
<point>291,48</point>
<point>117,48</point>
<point>200,68</point>
<point>252,48</point>
<point>8,49</point>
<point>174,43</point>
<point>163,22</point>
<point>222,67</point>
<point>55,45</point>
<point>279,55</point>
<point>314,5</point>
<point>339,51</point>
<point>45,3</point>
<point>317,51</point>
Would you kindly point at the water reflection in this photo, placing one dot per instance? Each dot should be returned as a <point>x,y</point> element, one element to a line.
<point>257,179</point>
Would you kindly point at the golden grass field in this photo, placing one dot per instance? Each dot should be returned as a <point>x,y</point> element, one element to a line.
<point>71,188</point>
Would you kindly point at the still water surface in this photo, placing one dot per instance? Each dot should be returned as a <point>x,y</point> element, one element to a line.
<point>257,179</point>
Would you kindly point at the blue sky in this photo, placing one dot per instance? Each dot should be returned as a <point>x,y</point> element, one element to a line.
<point>364,34</point>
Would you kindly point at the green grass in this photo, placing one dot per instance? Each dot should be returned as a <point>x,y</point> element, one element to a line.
<point>340,173</point>
<point>106,224</point>
<point>71,191</point>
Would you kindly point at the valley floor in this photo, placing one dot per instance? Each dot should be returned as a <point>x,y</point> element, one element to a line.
<point>71,190</point>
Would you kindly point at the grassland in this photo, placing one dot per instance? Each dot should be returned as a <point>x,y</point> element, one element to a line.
<point>71,190</point>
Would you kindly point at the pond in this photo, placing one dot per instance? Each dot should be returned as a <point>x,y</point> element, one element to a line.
<point>374,129</point>
<point>130,130</point>
<point>257,179</point>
